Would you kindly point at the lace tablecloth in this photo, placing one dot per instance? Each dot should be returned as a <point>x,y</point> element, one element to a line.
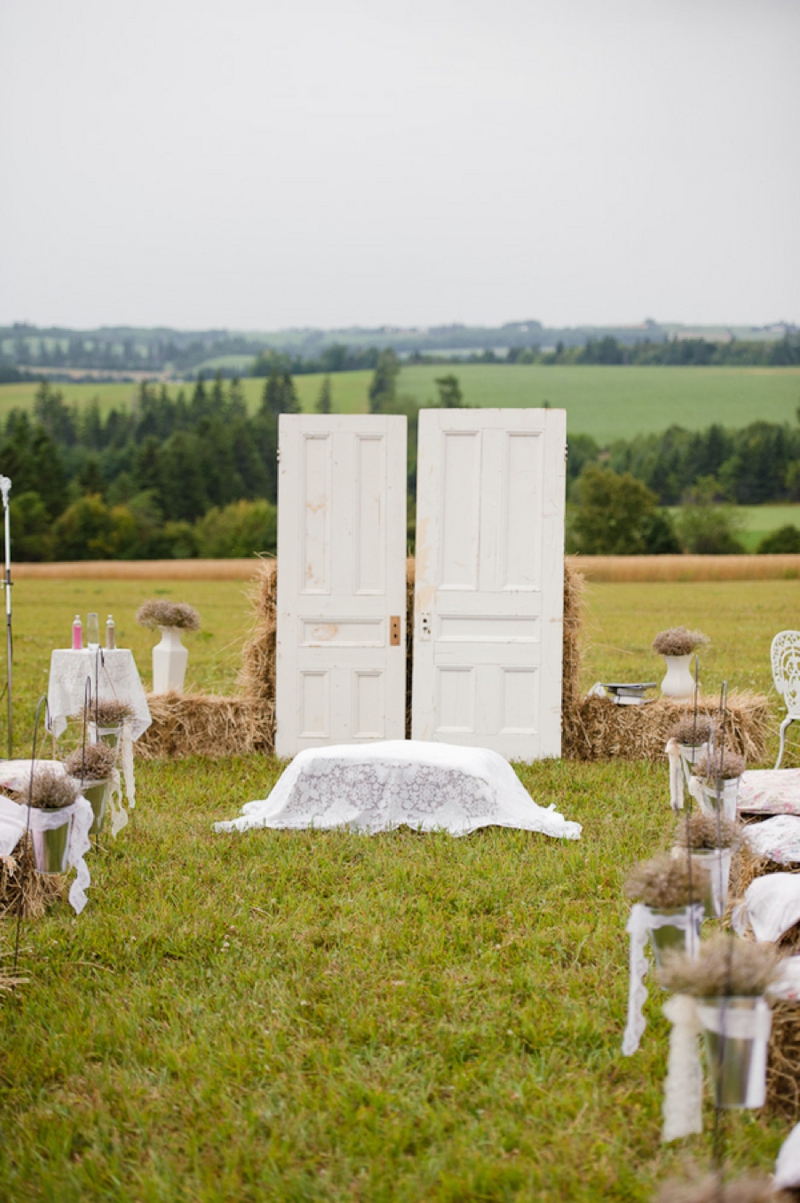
<point>376,787</point>
<point>115,675</point>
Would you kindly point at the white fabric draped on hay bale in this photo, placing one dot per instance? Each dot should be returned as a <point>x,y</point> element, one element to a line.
<point>380,786</point>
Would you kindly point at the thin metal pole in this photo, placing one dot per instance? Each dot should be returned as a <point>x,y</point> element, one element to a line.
<point>42,702</point>
<point>5,488</point>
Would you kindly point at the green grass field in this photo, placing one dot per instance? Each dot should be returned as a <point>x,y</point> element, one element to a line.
<point>325,1016</point>
<point>606,402</point>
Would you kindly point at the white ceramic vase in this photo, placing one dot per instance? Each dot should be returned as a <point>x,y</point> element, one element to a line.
<point>169,661</point>
<point>679,682</point>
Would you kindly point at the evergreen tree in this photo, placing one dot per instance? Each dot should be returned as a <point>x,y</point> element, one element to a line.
<point>450,395</point>
<point>324,404</point>
<point>383,387</point>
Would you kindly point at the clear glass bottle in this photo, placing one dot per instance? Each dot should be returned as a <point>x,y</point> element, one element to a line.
<point>111,633</point>
<point>92,632</point>
<point>77,634</point>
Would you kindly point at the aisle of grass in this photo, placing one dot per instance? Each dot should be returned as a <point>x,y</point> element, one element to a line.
<point>328,1016</point>
<point>325,1016</point>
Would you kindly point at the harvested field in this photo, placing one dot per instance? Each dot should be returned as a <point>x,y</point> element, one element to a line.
<point>141,570</point>
<point>689,568</point>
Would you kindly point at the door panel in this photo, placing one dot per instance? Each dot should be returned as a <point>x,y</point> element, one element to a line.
<point>489,579</point>
<point>341,579</point>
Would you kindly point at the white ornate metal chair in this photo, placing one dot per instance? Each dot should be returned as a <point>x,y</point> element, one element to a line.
<point>786,675</point>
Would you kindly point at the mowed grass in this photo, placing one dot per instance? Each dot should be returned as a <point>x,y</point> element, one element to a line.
<point>605,402</point>
<point>325,1016</point>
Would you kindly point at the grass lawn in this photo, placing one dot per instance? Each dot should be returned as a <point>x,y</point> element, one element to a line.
<point>324,1016</point>
<point>606,402</point>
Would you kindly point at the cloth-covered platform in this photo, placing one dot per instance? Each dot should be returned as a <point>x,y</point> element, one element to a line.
<point>380,786</point>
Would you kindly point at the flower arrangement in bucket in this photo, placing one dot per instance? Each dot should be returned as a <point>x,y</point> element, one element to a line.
<point>52,792</point>
<point>106,720</point>
<point>676,645</point>
<point>93,765</point>
<point>169,656</point>
<point>728,980</point>
<point>671,893</point>
<point>692,733</point>
<point>718,775</point>
<point>711,841</point>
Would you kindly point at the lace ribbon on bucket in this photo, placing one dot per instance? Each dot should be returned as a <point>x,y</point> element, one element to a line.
<point>676,780</point>
<point>641,921</point>
<point>683,1088</point>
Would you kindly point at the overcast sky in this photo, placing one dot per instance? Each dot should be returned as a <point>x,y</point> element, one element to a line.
<point>254,165</point>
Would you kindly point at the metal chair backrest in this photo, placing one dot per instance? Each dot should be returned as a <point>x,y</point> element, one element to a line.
<point>786,669</point>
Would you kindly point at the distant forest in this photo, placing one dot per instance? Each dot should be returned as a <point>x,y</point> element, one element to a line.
<point>189,472</point>
<point>27,352</point>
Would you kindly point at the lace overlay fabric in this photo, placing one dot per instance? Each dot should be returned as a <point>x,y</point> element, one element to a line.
<point>683,1089</point>
<point>377,787</point>
<point>113,674</point>
<point>641,921</point>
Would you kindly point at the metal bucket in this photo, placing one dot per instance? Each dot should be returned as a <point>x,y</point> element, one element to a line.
<point>736,1034</point>
<point>97,794</point>
<point>50,847</point>
<point>106,735</point>
<point>669,938</point>
<point>718,863</point>
<point>728,796</point>
<point>691,757</point>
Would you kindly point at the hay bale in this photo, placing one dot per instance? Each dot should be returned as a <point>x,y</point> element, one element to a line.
<point>198,725</point>
<point>19,881</point>
<point>783,1064</point>
<point>257,674</point>
<point>601,730</point>
<point>574,585</point>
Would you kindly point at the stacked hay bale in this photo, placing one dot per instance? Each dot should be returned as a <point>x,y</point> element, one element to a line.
<point>211,725</point>
<point>21,885</point>
<point>601,730</point>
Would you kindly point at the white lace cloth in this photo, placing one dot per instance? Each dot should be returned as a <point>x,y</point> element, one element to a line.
<point>683,1089</point>
<point>376,787</point>
<point>13,821</point>
<point>777,838</point>
<point>770,907</point>
<point>770,792</point>
<point>114,676</point>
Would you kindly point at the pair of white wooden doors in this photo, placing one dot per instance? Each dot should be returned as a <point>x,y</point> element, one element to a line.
<point>488,605</point>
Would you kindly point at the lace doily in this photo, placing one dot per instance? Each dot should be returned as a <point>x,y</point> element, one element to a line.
<point>377,787</point>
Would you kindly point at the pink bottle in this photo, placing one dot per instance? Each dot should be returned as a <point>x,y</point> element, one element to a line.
<point>77,634</point>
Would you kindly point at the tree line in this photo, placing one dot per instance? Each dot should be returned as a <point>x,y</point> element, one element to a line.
<point>191,472</point>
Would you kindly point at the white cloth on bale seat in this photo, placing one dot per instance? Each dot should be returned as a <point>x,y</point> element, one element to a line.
<point>769,792</point>
<point>770,907</point>
<point>379,786</point>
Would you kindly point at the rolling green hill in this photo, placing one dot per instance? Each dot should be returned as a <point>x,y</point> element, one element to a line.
<point>606,402</point>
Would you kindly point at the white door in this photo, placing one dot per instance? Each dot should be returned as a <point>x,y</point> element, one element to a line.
<point>341,662</point>
<point>489,594</point>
